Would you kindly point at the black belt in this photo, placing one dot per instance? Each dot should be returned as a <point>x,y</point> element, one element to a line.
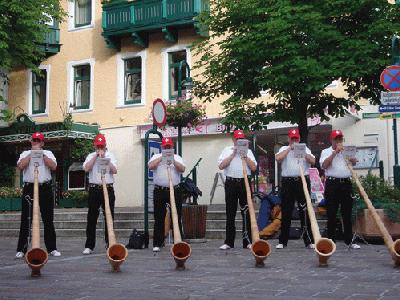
<point>236,179</point>
<point>297,178</point>
<point>336,179</point>
<point>164,188</point>
<point>40,184</point>
<point>99,186</point>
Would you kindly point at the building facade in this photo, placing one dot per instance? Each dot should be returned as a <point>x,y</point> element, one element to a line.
<point>106,64</point>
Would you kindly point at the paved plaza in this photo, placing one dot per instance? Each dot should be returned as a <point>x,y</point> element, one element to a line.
<point>291,273</point>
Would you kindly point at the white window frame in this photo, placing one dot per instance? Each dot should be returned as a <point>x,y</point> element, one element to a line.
<point>70,84</point>
<point>165,66</point>
<point>84,182</point>
<point>29,91</point>
<point>71,17</point>
<point>121,57</point>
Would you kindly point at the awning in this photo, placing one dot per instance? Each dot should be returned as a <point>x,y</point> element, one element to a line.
<point>22,129</point>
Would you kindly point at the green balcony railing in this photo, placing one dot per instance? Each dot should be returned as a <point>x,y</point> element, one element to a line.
<point>122,17</point>
<point>51,42</point>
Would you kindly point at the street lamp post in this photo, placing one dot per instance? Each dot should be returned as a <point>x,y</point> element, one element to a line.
<point>396,61</point>
<point>188,84</point>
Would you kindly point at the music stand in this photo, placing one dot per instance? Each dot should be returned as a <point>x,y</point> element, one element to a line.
<point>356,235</point>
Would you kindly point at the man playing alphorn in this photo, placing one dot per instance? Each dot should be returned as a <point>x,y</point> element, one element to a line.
<point>96,196</point>
<point>292,189</point>
<point>161,190</point>
<point>338,187</point>
<point>235,190</point>
<point>46,202</point>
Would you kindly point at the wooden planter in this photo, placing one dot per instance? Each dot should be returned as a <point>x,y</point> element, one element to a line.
<point>10,204</point>
<point>366,226</point>
<point>71,203</point>
<point>194,219</point>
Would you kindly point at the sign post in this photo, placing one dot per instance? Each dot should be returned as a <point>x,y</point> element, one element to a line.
<point>390,80</point>
<point>159,114</point>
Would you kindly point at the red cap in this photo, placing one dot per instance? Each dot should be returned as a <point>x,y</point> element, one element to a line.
<point>167,141</point>
<point>38,136</point>
<point>238,134</point>
<point>100,140</point>
<point>294,133</point>
<point>336,133</point>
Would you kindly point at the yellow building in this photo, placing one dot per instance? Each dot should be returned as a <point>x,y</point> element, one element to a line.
<point>106,64</point>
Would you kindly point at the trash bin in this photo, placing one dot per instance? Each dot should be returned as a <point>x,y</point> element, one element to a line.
<point>194,219</point>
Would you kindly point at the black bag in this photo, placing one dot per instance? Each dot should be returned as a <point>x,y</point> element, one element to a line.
<point>294,233</point>
<point>136,240</point>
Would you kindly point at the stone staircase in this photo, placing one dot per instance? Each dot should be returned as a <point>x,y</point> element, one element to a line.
<point>72,222</point>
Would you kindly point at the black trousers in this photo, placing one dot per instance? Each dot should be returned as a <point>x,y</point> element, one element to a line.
<point>96,199</point>
<point>47,212</point>
<point>339,193</point>
<point>161,199</point>
<point>292,190</point>
<point>235,191</point>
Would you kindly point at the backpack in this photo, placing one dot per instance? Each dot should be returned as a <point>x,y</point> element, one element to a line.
<point>136,240</point>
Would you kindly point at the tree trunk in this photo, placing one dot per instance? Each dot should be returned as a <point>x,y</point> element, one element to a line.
<point>303,128</point>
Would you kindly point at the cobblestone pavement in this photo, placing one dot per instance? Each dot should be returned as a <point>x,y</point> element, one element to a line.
<point>290,273</point>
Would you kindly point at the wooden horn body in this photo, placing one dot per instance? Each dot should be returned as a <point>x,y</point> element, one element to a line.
<point>393,247</point>
<point>324,247</point>
<point>36,258</point>
<point>259,248</point>
<point>180,250</point>
<point>116,253</point>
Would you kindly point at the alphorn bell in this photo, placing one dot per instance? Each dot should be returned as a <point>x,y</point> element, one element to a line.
<point>180,250</point>
<point>36,258</point>
<point>393,247</point>
<point>260,248</point>
<point>116,253</point>
<point>323,246</point>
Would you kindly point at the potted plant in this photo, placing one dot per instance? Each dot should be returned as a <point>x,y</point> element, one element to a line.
<point>386,200</point>
<point>185,114</point>
<point>10,198</point>
<point>71,199</point>
<point>194,216</point>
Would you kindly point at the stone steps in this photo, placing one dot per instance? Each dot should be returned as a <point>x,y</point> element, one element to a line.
<point>72,222</point>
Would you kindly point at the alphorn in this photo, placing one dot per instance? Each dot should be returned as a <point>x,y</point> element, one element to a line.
<point>116,253</point>
<point>180,250</point>
<point>393,247</point>
<point>324,247</point>
<point>36,258</point>
<point>259,248</point>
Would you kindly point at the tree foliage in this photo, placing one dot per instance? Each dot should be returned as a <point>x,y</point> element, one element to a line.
<point>22,28</point>
<point>293,49</point>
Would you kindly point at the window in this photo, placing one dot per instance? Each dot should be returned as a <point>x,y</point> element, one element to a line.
<point>174,58</point>
<point>39,92</point>
<point>76,177</point>
<point>81,87</point>
<point>132,80</point>
<point>83,13</point>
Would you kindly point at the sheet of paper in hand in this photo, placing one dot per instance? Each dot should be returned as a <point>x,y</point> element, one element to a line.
<point>242,146</point>
<point>37,157</point>
<point>299,150</point>
<point>349,152</point>
<point>103,166</point>
<point>167,156</point>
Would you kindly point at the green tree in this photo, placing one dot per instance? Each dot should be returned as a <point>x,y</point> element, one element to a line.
<point>22,27</point>
<point>294,50</point>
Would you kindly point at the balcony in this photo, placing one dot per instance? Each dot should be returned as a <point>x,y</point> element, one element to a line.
<point>51,43</point>
<point>138,18</point>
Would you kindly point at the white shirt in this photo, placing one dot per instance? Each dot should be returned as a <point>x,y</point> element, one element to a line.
<point>44,171</point>
<point>290,164</point>
<point>94,173</point>
<point>235,168</point>
<point>338,168</point>
<point>160,174</point>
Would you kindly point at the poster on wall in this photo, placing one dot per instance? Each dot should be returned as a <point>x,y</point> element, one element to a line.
<point>368,157</point>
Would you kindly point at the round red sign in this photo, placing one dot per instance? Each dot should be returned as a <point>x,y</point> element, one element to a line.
<point>159,113</point>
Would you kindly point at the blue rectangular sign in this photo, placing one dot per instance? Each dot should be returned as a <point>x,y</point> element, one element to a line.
<point>389,108</point>
<point>154,148</point>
